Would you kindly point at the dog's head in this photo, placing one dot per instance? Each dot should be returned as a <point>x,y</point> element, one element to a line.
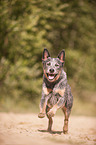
<point>52,66</point>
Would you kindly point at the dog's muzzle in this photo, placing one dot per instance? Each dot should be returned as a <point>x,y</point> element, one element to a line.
<point>51,76</point>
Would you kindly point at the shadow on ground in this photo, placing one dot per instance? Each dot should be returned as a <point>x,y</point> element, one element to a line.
<point>51,132</point>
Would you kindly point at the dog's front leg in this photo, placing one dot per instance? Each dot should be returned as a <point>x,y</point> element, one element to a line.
<point>58,105</point>
<point>43,104</point>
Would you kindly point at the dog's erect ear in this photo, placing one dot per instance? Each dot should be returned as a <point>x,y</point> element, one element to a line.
<point>45,54</point>
<point>61,56</point>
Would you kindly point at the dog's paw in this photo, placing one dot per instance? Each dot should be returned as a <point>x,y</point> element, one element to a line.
<point>65,131</point>
<point>41,115</point>
<point>50,113</point>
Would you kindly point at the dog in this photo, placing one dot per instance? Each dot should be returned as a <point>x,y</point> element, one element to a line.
<point>56,93</point>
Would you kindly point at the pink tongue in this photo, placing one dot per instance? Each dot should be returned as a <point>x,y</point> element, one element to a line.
<point>51,77</point>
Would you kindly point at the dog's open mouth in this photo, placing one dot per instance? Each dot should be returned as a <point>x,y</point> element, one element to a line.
<point>51,76</point>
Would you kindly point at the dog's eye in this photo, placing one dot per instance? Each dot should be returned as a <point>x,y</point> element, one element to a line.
<point>48,63</point>
<point>56,64</point>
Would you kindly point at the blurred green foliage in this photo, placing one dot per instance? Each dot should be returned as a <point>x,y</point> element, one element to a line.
<point>26,27</point>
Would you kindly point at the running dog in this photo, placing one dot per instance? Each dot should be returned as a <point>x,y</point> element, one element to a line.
<point>56,93</point>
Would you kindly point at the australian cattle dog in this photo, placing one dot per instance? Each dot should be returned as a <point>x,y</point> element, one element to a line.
<point>56,93</point>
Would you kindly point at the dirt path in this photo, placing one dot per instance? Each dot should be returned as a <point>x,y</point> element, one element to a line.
<point>28,129</point>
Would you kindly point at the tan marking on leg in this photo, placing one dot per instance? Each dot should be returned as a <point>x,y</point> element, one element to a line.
<point>65,128</point>
<point>55,107</point>
<point>60,91</point>
<point>47,90</point>
<point>52,111</point>
<point>50,121</point>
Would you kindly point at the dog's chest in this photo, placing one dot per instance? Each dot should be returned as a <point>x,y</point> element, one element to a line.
<point>53,99</point>
<point>53,94</point>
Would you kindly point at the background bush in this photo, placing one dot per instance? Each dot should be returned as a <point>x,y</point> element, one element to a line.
<point>26,27</point>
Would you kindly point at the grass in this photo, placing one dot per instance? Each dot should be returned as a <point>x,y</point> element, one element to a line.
<point>85,107</point>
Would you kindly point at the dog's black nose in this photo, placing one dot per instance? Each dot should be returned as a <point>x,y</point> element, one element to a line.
<point>51,70</point>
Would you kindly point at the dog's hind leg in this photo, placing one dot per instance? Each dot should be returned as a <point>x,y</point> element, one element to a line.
<point>67,113</point>
<point>50,121</point>
<point>50,124</point>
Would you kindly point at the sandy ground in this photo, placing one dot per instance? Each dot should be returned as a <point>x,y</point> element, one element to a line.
<point>28,129</point>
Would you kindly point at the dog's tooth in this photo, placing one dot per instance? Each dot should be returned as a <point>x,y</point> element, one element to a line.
<point>51,77</point>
